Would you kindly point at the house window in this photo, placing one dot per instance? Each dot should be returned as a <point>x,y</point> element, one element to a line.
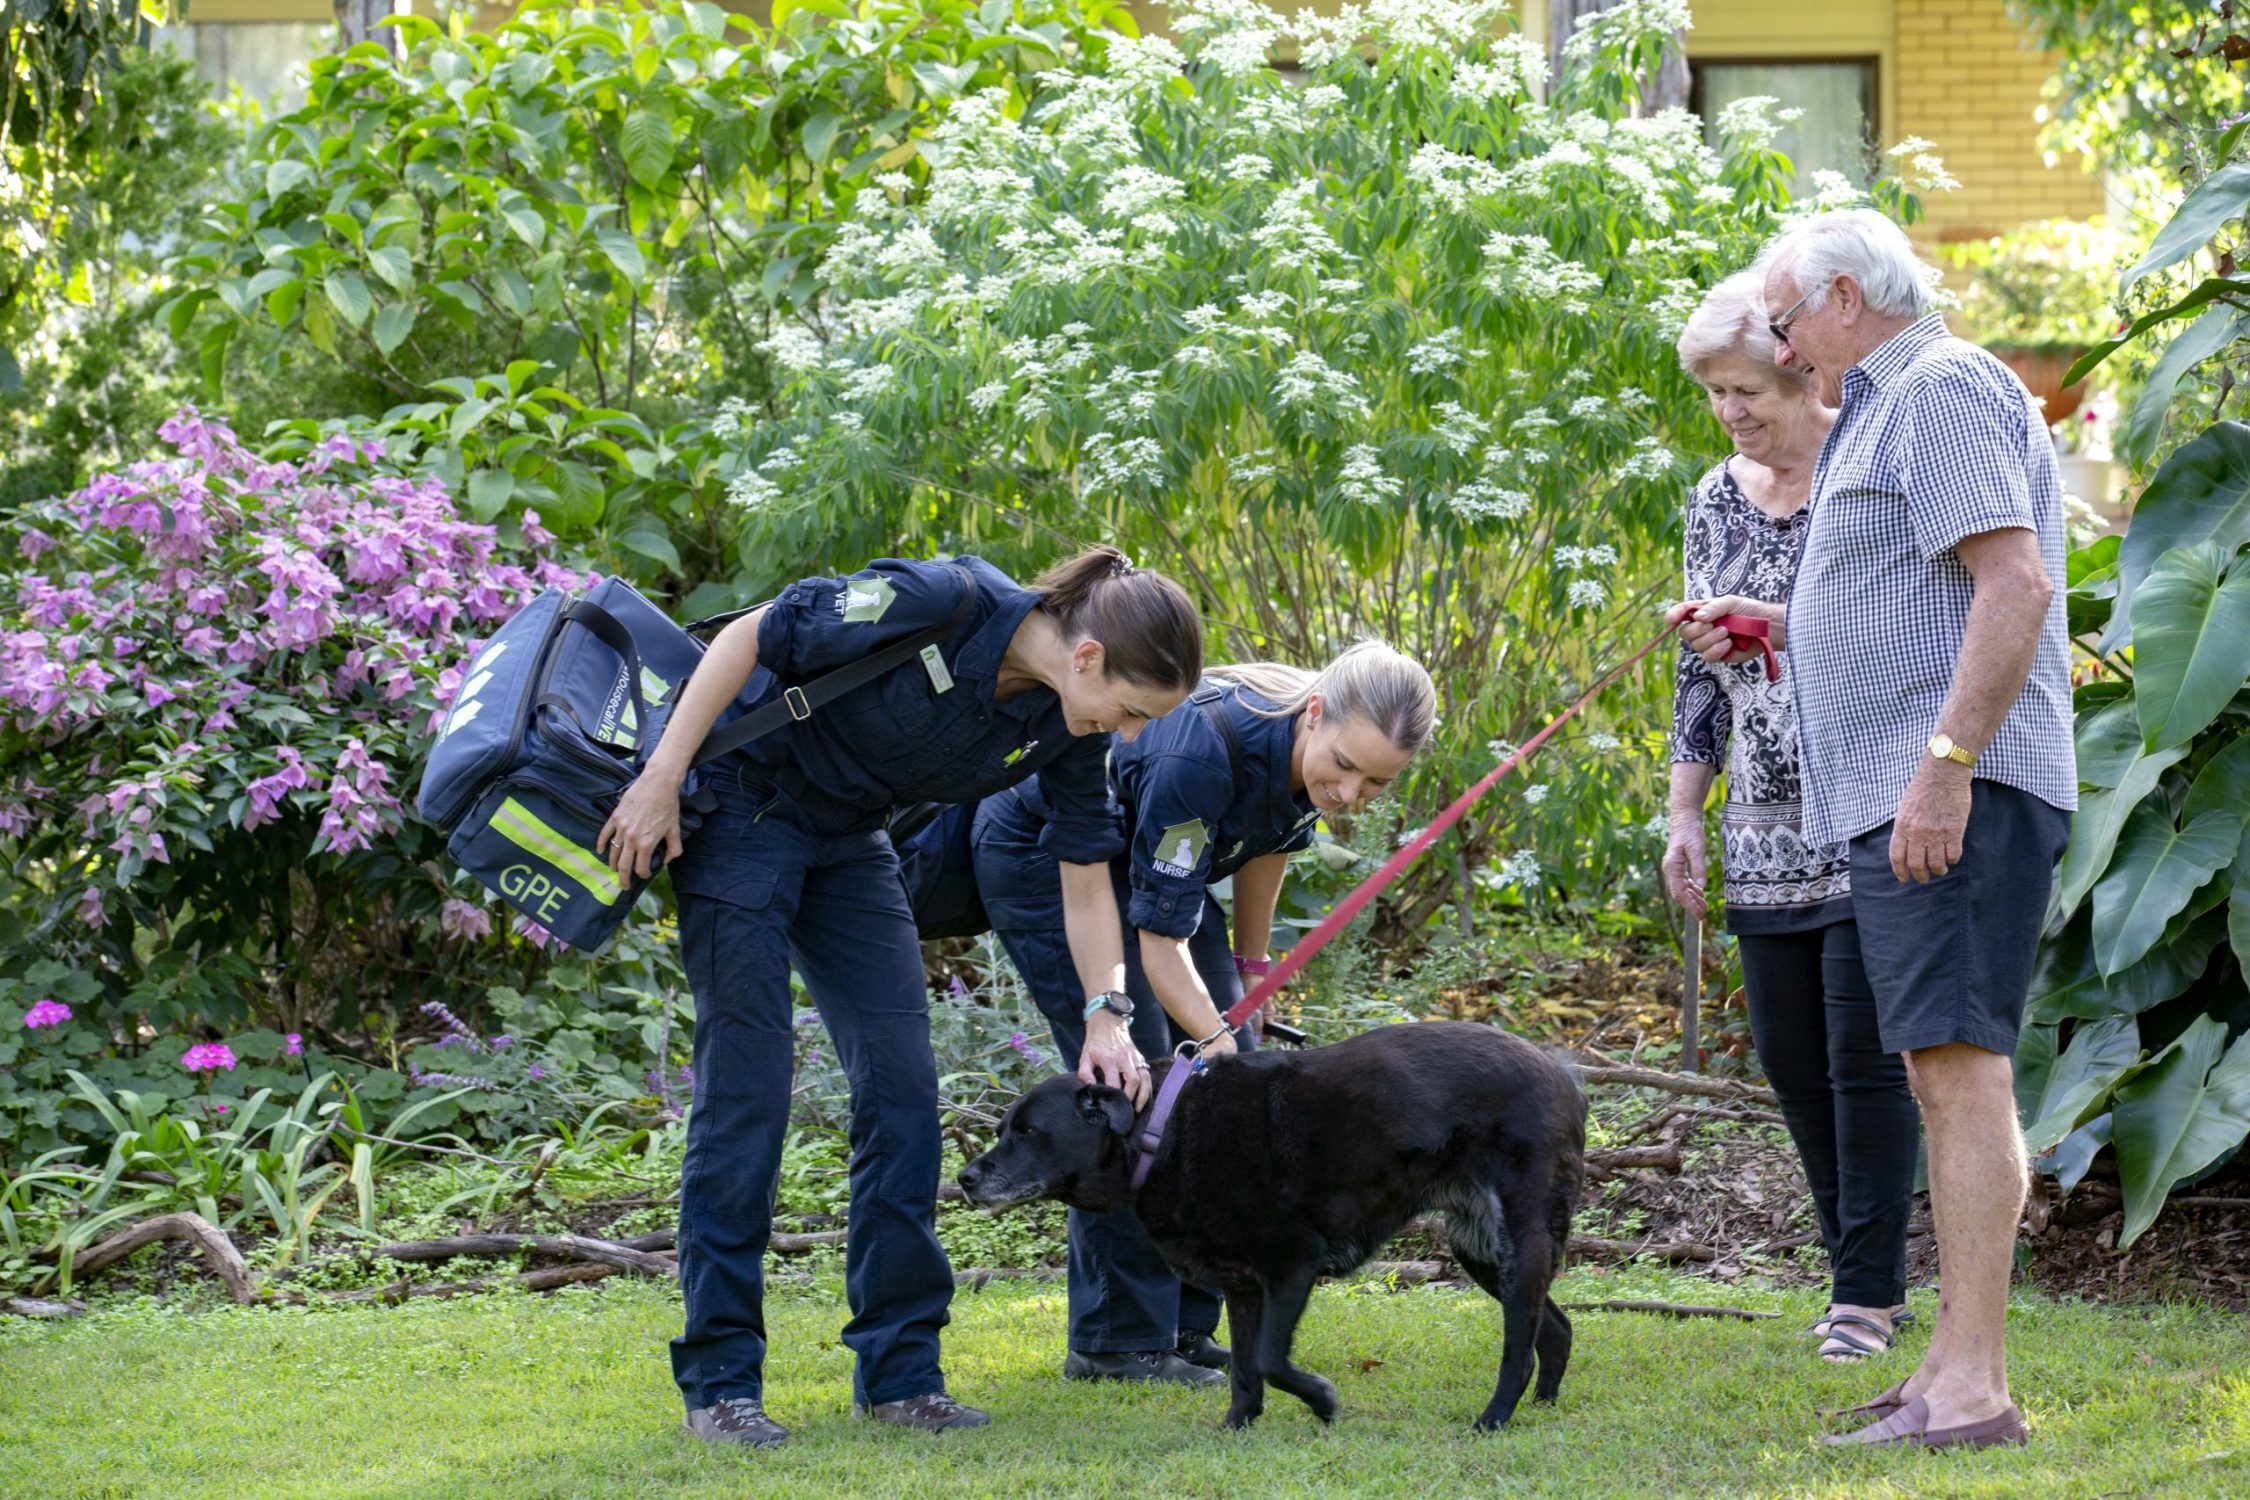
<point>266,59</point>
<point>1836,132</point>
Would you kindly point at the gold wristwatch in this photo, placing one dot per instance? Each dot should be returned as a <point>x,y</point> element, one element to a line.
<point>1942,746</point>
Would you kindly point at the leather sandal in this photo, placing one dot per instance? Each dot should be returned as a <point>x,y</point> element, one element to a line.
<point>1844,1347</point>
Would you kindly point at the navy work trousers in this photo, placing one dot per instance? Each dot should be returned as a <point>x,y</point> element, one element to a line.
<point>1122,1295</point>
<point>757,894</point>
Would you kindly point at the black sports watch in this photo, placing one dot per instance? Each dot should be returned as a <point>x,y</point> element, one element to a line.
<point>1116,1002</point>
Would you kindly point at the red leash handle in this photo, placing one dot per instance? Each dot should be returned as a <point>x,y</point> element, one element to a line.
<point>1745,632</point>
<point>1286,967</point>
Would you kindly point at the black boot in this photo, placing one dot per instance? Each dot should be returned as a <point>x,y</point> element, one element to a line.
<point>1200,1349</point>
<point>1138,1364</point>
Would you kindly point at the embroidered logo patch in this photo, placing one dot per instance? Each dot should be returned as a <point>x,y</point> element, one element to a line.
<point>863,600</point>
<point>1181,848</point>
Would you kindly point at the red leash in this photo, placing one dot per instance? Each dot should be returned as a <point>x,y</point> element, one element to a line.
<point>1374,885</point>
<point>1744,631</point>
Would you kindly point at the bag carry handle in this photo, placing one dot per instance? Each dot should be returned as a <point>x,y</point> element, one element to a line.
<point>612,633</point>
<point>796,704</point>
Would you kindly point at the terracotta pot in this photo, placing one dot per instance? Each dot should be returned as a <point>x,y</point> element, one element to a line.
<point>2042,370</point>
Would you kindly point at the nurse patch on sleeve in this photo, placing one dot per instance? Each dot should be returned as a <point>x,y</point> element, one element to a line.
<point>1180,848</point>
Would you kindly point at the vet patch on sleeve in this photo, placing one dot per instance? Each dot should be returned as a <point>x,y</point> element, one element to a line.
<point>863,600</point>
<point>1180,848</point>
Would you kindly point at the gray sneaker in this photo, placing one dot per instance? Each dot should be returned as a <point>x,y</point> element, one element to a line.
<point>934,1412</point>
<point>738,1419</point>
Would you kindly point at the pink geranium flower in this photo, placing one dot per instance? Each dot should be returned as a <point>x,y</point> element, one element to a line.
<point>46,1013</point>
<point>208,1057</point>
<point>296,1047</point>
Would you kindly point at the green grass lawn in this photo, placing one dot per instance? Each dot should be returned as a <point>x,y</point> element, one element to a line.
<point>572,1395</point>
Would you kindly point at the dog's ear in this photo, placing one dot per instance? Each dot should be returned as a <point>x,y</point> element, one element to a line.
<point>1107,1107</point>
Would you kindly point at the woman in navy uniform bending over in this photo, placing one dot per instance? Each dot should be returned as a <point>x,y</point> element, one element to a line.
<point>1196,813</point>
<point>794,868</point>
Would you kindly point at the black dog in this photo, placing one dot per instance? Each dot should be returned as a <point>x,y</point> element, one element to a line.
<point>1278,1168</point>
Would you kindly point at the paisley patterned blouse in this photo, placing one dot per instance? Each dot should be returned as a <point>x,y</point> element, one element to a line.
<point>1731,716</point>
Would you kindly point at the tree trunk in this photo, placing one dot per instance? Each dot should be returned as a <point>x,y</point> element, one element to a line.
<point>355,23</point>
<point>1667,90</point>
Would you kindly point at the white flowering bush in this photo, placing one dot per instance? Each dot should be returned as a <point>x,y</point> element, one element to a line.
<point>1383,347</point>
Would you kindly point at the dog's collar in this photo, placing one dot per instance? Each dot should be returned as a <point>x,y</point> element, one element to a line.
<point>1151,1133</point>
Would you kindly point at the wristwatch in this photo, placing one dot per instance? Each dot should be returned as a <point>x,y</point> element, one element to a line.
<point>1942,746</point>
<point>1116,1002</point>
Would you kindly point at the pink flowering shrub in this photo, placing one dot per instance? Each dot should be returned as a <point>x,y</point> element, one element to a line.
<point>218,674</point>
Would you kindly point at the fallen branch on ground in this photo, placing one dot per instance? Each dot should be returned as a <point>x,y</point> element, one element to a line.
<point>195,1230</point>
<point>1677,1083</point>
<point>1626,1158</point>
<point>1671,1309</point>
<point>543,1280</point>
<point>40,1307</point>
<point>604,1252</point>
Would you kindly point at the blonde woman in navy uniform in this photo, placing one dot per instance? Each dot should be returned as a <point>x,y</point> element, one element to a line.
<point>1196,813</point>
<point>795,868</point>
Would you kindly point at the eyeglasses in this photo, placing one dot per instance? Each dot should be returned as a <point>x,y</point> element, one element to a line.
<point>1779,327</point>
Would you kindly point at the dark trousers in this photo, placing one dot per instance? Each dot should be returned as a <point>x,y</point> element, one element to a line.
<point>1122,1294</point>
<point>757,895</point>
<point>1850,1112</point>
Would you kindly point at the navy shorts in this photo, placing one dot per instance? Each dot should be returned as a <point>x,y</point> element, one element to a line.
<point>1950,959</point>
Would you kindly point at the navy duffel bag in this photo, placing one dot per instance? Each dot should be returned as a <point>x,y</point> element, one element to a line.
<point>553,721</point>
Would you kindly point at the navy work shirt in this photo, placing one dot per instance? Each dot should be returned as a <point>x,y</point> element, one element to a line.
<point>1189,823</point>
<point>924,731</point>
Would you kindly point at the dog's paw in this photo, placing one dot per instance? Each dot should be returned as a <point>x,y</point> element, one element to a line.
<point>1320,1395</point>
<point>1239,1417</point>
<point>1488,1423</point>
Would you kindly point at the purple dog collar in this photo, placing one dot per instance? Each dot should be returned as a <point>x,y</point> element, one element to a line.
<point>1159,1115</point>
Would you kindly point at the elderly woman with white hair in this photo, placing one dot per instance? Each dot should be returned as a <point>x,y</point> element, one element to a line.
<point>1788,902</point>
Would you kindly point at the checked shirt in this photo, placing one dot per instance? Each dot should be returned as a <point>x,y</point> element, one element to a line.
<point>1936,440</point>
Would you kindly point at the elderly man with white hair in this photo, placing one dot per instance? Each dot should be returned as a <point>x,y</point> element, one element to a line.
<point>1933,710</point>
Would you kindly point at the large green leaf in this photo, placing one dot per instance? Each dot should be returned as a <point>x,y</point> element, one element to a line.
<point>2094,828</point>
<point>2069,1160</point>
<point>2203,296</point>
<point>2157,868</point>
<point>2068,984</point>
<point>349,296</point>
<point>2217,198</point>
<point>624,252</point>
<point>2191,642</point>
<point>2184,1110</point>
<point>2191,346</point>
<point>2222,783</point>
<point>2073,1087</point>
<point>2202,493</point>
<point>647,144</point>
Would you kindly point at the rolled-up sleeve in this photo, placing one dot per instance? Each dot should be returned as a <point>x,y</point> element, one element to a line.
<point>1178,801</point>
<point>820,624</point>
<point>1084,825</point>
<point>1964,470</point>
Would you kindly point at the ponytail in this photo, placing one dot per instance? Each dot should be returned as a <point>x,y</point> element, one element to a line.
<point>1370,681</point>
<point>1148,628</point>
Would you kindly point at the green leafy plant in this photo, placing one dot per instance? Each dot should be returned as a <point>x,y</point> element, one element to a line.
<point>616,197</point>
<point>2140,1033</point>
<point>2042,286</point>
<point>1380,348</point>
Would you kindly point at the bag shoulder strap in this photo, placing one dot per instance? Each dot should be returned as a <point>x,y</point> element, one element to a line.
<point>1212,701</point>
<point>797,703</point>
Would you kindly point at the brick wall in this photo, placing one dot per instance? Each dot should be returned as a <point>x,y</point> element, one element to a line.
<point>1969,83</point>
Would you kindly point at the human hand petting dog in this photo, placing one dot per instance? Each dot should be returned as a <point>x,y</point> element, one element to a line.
<point>1109,1057</point>
<point>1697,620</point>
